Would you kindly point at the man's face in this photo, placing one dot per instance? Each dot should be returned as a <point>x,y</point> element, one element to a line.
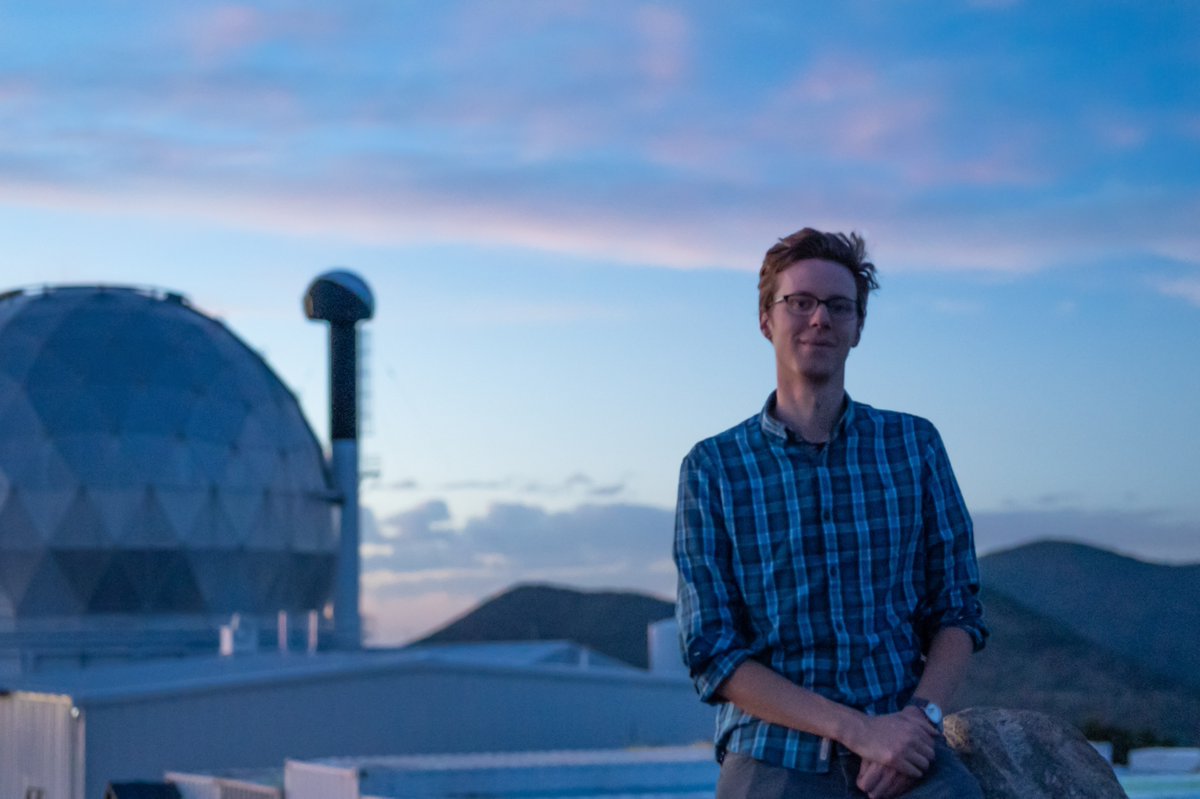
<point>812,348</point>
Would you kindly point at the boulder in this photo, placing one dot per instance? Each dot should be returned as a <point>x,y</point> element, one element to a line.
<point>1020,754</point>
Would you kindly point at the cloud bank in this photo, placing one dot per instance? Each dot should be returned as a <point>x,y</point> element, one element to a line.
<point>419,571</point>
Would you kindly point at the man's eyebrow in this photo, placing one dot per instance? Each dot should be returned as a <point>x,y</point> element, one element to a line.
<point>815,297</point>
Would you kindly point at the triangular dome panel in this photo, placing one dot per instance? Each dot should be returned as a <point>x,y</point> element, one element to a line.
<point>49,593</point>
<point>177,592</point>
<point>83,569</point>
<point>81,527</point>
<point>17,530</point>
<point>48,506</point>
<point>268,532</point>
<point>17,569</point>
<point>182,506</point>
<point>211,528</point>
<point>224,579</point>
<point>95,458</point>
<point>116,591</point>
<point>117,507</point>
<point>241,509</point>
<point>148,571</point>
<point>18,419</point>
<point>153,410</point>
<point>149,527</point>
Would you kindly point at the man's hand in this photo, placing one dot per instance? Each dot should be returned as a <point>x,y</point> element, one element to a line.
<point>901,741</point>
<point>880,782</point>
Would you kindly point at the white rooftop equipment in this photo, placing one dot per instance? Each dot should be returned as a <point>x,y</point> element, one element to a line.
<point>1165,759</point>
<point>672,772</point>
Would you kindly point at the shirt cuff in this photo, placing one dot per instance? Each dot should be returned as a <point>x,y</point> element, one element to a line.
<point>714,674</point>
<point>975,628</point>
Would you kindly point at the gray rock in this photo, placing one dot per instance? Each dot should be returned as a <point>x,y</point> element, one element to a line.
<point>1020,754</point>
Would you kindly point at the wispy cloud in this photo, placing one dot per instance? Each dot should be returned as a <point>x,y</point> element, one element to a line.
<point>575,484</point>
<point>215,33</point>
<point>1185,288</point>
<point>613,131</point>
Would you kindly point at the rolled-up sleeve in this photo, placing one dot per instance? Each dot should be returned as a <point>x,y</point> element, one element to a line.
<point>951,570</point>
<point>709,604</point>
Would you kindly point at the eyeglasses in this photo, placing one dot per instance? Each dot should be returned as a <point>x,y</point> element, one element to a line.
<point>801,304</point>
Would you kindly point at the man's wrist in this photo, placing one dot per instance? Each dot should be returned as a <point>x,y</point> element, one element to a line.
<point>931,710</point>
<point>848,726</point>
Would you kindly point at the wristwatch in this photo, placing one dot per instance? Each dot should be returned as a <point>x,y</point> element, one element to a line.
<point>931,710</point>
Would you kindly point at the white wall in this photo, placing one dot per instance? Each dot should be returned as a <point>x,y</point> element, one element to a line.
<point>415,708</point>
<point>41,746</point>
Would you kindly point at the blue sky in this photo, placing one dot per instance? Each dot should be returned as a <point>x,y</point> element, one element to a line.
<point>561,207</point>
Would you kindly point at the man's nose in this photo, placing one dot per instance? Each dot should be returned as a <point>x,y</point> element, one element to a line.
<point>820,317</point>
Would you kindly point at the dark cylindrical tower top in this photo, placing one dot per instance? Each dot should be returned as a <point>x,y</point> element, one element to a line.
<point>339,297</point>
<point>343,299</point>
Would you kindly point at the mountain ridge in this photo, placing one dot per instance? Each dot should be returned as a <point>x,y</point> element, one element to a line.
<point>1089,589</point>
<point>1034,660</point>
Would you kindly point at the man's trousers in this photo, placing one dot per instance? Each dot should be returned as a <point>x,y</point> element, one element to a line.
<point>746,778</point>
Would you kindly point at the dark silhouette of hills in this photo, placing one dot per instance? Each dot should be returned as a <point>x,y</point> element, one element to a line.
<point>1110,648</point>
<point>1148,612</point>
<point>1038,663</point>
<point>610,622</point>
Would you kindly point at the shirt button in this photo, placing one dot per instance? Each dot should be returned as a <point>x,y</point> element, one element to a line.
<point>826,516</point>
<point>833,571</point>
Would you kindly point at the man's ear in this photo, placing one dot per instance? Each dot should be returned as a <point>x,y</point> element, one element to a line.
<point>764,324</point>
<point>857,334</point>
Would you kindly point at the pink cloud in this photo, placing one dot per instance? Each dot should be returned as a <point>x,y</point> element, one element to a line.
<point>845,107</point>
<point>13,90</point>
<point>217,35</point>
<point>833,80</point>
<point>394,620</point>
<point>1184,288</point>
<point>219,32</point>
<point>665,47</point>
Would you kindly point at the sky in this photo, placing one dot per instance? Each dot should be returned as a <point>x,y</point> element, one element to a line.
<point>561,208</point>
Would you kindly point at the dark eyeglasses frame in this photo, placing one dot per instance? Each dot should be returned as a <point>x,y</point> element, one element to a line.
<point>840,308</point>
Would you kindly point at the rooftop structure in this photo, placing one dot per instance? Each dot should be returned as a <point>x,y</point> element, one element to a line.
<point>73,732</point>
<point>678,772</point>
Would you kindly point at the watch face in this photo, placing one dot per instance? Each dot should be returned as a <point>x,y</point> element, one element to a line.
<point>933,713</point>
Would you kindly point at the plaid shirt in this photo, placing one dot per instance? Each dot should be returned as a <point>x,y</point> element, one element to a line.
<point>834,566</point>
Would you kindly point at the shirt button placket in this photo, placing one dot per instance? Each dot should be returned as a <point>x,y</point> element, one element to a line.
<point>829,531</point>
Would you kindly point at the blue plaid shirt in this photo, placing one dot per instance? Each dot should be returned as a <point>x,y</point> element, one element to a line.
<point>834,566</point>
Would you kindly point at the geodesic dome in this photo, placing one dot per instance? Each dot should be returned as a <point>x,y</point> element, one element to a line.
<point>150,464</point>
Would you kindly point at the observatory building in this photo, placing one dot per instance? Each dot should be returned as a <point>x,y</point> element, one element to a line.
<point>156,478</point>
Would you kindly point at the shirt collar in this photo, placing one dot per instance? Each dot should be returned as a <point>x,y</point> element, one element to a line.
<point>773,428</point>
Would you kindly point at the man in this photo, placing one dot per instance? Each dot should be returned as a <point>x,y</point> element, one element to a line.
<point>827,576</point>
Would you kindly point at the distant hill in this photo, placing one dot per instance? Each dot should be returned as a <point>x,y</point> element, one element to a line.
<point>1147,612</point>
<point>613,623</point>
<point>1038,663</point>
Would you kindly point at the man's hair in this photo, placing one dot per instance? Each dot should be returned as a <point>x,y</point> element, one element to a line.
<point>849,251</point>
